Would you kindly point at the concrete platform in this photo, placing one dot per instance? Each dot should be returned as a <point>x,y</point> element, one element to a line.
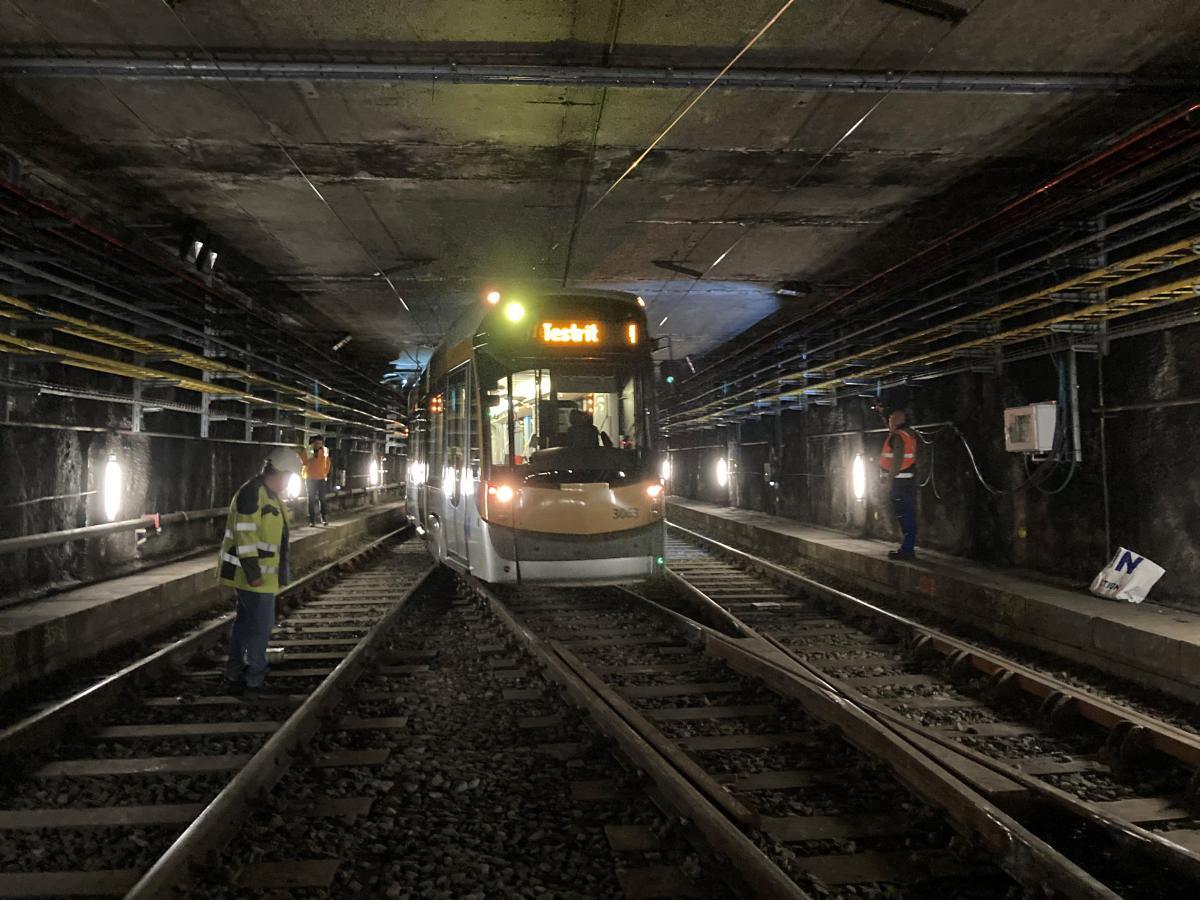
<point>1152,645</point>
<point>44,636</point>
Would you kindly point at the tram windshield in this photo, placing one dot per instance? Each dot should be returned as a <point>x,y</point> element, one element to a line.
<point>566,423</point>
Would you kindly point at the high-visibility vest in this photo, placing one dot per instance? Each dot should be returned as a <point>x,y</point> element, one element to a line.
<point>317,465</point>
<point>910,453</point>
<point>255,546</point>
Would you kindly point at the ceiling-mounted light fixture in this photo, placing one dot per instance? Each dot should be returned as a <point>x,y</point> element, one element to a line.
<point>208,259</point>
<point>342,343</point>
<point>793,289</point>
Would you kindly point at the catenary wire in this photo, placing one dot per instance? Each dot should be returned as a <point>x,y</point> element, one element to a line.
<point>808,172</point>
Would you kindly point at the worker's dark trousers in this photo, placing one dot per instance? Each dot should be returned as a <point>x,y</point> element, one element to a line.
<point>904,503</point>
<point>249,638</point>
<point>318,506</point>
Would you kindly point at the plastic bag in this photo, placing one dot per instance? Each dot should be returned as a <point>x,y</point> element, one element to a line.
<point>1128,577</point>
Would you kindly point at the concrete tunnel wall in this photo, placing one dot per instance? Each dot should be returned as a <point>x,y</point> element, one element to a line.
<point>1154,488</point>
<point>50,479</point>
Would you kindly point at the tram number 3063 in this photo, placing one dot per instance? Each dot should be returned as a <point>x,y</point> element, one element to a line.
<point>620,512</point>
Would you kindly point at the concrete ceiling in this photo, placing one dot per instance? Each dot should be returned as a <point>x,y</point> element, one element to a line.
<point>454,188</point>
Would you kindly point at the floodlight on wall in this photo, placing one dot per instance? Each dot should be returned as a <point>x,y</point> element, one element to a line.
<point>858,478</point>
<point>666,468</point>
<point>114,482</point>
<point>373,473</point>
<point>293,486</point>
<point>722,472</point>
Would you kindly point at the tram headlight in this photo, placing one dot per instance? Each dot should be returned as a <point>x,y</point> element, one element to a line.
<point>501,493</point>
<point>493,297</point>
<point>654,491</point>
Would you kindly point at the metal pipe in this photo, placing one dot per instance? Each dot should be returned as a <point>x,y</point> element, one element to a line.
<point>832,434</point>
<point>1073,387</point>
<point>817,80</point>
<point>1132,407</point>
<point>1104,457</point>
<point>88,532</point>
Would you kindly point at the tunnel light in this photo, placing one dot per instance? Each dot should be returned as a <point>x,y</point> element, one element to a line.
<point>373,473</point>
<point>666,469</point>
<point>858,478</point>
<point>293,486</point>
<point>514,312</point>
<point>114,481</point>
<point>641,302</point>
<point>493,297</point>
<point>722,472</point>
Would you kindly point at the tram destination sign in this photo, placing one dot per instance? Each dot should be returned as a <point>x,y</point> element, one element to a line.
<point>588,333</point>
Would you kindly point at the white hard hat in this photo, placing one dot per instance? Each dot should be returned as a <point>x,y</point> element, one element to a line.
<point>282,459</point>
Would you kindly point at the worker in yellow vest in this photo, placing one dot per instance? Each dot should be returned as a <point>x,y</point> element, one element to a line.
<point>317,464</point>
<point>254,562</point>
<point>898,460</point>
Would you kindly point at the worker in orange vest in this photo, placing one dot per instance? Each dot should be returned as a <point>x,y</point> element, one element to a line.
<point>316,477</point>
<point>898,460</point>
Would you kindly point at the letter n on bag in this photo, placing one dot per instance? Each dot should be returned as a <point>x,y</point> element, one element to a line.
<point>1128,576</point>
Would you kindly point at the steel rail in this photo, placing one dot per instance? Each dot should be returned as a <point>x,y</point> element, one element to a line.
<point>1025,856</point>
<point>21,738</point>
<point>180,68</point>
<point>1022,854</point>
<point>1134,838</point>
<point>677,792</point>
<point>1162,736</point>
<point>222,817</point>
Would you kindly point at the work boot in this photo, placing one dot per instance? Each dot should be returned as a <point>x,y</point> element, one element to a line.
<point>900,554</point>
<point>229,688</point>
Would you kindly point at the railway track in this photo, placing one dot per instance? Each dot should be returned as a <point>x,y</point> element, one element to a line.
<point>124,787</point>
<point>824,747</point>
<point>1105,783</point>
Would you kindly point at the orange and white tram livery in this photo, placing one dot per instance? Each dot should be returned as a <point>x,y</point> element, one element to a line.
<point>531,455</point>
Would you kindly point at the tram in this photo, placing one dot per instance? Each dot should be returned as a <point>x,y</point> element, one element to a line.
<point>531,442</point>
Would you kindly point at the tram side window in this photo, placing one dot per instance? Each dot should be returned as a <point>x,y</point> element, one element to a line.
<point>497,416</point>
<point>434,460</point>
<point>456,421</point>
<point>476,451</point>
<point>628,422</point>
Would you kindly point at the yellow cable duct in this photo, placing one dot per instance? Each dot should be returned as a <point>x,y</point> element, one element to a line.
<point>15,344</point>
<point>1139,301</point>
<point>1117,273</point>
<point>113,337</point>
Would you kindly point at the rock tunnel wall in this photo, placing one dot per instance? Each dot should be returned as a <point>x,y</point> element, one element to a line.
<point>51,479</point>
<point>1058,531</point>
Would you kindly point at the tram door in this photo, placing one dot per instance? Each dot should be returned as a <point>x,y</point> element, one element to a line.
<point>457,513</point>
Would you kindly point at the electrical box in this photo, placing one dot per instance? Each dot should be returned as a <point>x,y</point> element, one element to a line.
<point>1030,429</point>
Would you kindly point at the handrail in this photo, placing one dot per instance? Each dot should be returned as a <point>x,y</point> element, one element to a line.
<point>155,520</point>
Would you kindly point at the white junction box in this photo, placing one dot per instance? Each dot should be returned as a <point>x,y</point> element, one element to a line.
<point>1030,429</point>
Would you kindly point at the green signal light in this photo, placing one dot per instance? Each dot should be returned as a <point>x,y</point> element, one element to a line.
<point>659,560</point>
<point>670,379</point>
